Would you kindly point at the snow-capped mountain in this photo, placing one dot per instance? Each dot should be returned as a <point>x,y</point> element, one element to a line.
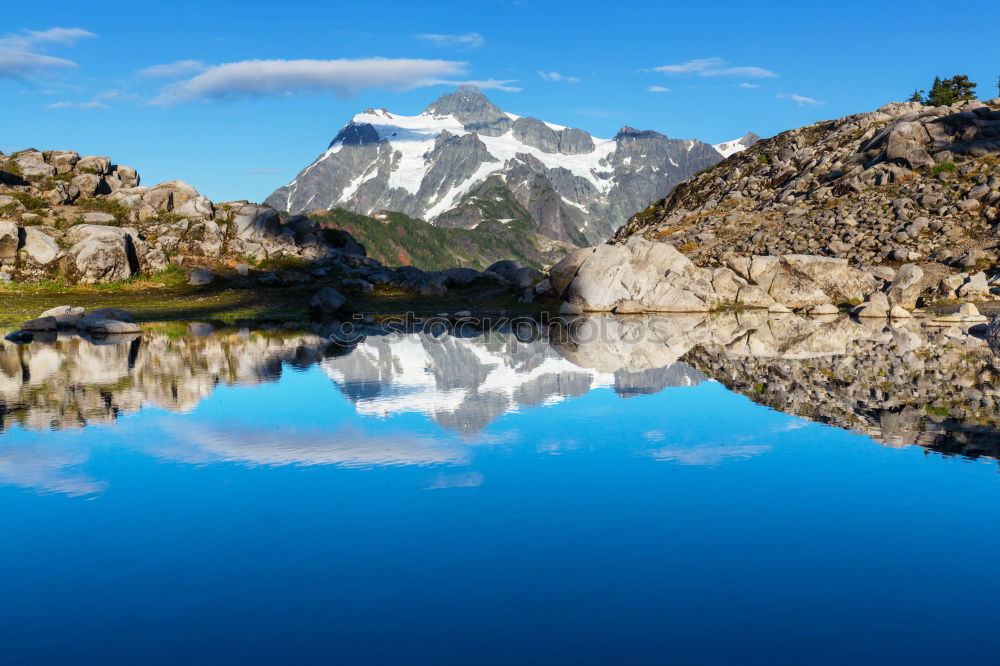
<point>464,160</point>
<point>727,148</point>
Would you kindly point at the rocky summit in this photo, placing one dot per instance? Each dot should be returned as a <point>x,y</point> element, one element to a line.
<point>885,210</point>
<point>464,161</point>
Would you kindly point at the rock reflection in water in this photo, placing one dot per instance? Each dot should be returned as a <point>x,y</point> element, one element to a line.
<point>901,383</point>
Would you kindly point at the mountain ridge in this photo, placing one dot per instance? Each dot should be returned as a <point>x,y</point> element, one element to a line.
<point>576,187</point>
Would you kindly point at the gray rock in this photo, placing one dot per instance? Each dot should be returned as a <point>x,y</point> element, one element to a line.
<point>461,277</point>
<point>357,285</point>
<point>64,310</point>
<point>9,240</point>
<point>877,306</point>
<point>96,326</point>
<point>905,287</point>
<point>201,277</point>
<point>39,247</point>
<point>40,325</point>
<point>327,300</point>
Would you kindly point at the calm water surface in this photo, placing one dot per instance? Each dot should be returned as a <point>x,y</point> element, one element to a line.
<point>686,491</point>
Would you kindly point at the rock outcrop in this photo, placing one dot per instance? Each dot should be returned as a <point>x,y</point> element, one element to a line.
<point>904,183</point>
<point>91,221</point>
<point>646,276</point>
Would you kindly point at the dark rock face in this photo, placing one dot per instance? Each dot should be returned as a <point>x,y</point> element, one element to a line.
<point>567,185</point>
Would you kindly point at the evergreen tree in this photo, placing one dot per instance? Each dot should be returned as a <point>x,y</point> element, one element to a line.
<point>963,88</point>
<point>917,96</point>
<point>948,91</point>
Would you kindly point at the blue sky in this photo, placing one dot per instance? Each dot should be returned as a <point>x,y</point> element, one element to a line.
<point>236,127</point>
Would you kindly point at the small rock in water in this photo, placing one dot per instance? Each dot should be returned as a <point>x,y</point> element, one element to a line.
<point>20,337</point>
<point>64,310</point>
<point>112,327</point>
<point>41,324</point>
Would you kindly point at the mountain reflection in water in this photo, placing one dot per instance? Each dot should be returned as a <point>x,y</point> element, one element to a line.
<point>900,384</point>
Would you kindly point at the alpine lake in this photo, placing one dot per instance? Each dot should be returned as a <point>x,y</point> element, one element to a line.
<point>688,489</point>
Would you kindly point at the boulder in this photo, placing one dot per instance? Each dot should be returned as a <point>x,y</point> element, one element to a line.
<point>327,300</point>
<point>507,269</point>
<point>196,208</point>
<point>110,313</point>
<point>20,337</point>
<point>63,160</point>
<point>94,165</point>
<point>40,325</point>
<point>99,259</point>
<point>88,184</point>
<point>877,306</point>
<point>344,241</point>
<point>10,236</point>
<point>256,223</point>
<point>905,287</point>
<point>655,276</point>
<point>60,310</point>
<point>201,277</point>
<point>39,247</point>
<point>96,326</point>
<point>461,277</point>
<point>977,286</point>
<point>562,274</point>
<point>357,285</point>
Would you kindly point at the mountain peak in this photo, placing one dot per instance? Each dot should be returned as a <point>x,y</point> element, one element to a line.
<point>473,109</point>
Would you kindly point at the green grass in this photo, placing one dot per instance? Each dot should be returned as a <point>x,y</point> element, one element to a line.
<point>943,167</point>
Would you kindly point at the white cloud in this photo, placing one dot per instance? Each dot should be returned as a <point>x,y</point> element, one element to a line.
<point>470,40</point>
<point>714,67</point>
<point>19,57</point>
<point>83,106</point>
<point>484,84</point>
<point>173,70</point>
<point>27,39</point>
<point>280,78</point>
<point>800,100</point>
<point>657,89</point>
<point>556,77</point>
<point>747,85</point>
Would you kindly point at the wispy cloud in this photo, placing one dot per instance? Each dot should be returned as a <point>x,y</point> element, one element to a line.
<point>173,70</point>
<point>747,85</point>
<point>19,52</point>
<point>800,99</point>
<point>484,84</point>
<point>282,78</point>
<point>470,40</point>
<point>657,89</point>
<point>556,77</point>
<point>27,39</point>
<point>83,106</point>
<point>714,67</point>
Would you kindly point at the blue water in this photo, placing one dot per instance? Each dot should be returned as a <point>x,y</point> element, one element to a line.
<point>278,523</point>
